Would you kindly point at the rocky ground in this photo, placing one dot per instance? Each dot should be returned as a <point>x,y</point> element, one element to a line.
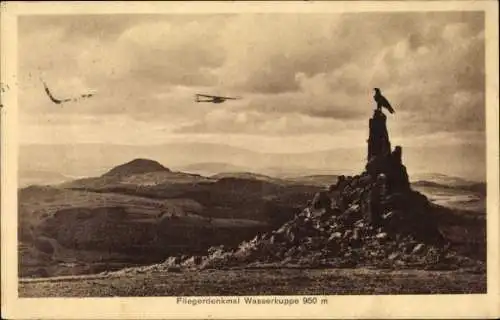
<point>405,236</point>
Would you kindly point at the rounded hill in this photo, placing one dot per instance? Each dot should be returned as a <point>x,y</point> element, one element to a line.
<point>136,166</point>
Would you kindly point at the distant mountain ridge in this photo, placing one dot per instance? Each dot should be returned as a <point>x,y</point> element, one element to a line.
<point>93,159</point>
<point>212,168</point>
<point>479,187</point>
<point>443,179</point>
<point>142,169</point>
<point>247,176</point>
<point>41,177</point>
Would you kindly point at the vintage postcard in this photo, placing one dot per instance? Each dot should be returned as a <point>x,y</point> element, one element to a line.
<point>247,160</point>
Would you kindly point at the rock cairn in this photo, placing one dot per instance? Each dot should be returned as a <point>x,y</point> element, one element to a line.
<point>372,219</point>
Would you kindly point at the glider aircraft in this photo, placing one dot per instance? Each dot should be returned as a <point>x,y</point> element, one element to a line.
<point>213,99</point>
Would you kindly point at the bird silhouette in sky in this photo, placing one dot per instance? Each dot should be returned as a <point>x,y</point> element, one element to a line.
<point>382,101</point>
<point>59,101</point>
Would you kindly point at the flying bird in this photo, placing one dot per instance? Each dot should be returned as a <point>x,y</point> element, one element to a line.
<point>382,101</point>
<point>213,99</point>
<point>59,101</point>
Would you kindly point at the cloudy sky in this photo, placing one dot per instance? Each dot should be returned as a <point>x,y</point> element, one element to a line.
<point>306,79</point>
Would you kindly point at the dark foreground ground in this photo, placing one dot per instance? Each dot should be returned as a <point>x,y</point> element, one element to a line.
<point>259,282</point>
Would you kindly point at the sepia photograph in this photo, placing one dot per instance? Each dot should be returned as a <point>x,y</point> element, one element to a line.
<point>231,157</point>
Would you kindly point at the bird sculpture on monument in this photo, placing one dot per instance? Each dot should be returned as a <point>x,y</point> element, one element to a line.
<point>382,101</point>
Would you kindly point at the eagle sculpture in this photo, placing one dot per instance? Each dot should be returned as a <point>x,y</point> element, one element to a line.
<point>382,101</point>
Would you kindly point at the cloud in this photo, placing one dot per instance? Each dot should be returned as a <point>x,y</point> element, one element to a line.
<point>260,123</point>
<point>298,74</point>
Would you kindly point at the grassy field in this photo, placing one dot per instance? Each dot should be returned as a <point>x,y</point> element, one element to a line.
<point>260,282</point>
<point>112,229</point>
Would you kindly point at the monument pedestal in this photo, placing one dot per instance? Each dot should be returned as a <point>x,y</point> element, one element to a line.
<point>380,158</point>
